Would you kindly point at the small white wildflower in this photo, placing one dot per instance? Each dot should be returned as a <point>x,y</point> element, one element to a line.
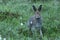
<point>4,38</point>
<point>0,37</point>
<point>21,24</point>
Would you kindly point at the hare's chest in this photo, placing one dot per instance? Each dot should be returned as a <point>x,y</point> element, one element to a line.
<point>36,23</point>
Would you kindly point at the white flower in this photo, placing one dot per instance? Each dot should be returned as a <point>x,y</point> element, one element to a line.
<point>4,39</point>
<point>0,37</point>
<point>21,24</point>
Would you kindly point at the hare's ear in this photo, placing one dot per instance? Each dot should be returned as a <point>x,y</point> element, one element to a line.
<point>40,7</point>
<point>34,8</point>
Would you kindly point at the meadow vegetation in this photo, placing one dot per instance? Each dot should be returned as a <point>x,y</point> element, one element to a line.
<point>15,13</point>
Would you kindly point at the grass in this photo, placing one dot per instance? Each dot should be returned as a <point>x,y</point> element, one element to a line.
<point>11,28</point>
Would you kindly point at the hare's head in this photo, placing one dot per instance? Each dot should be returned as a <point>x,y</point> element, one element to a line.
<point>37,11</point>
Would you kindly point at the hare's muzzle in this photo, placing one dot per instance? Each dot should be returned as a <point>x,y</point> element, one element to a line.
<point>37,16</point>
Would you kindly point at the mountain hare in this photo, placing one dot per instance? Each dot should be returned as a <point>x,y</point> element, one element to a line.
<point>35,22</point>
